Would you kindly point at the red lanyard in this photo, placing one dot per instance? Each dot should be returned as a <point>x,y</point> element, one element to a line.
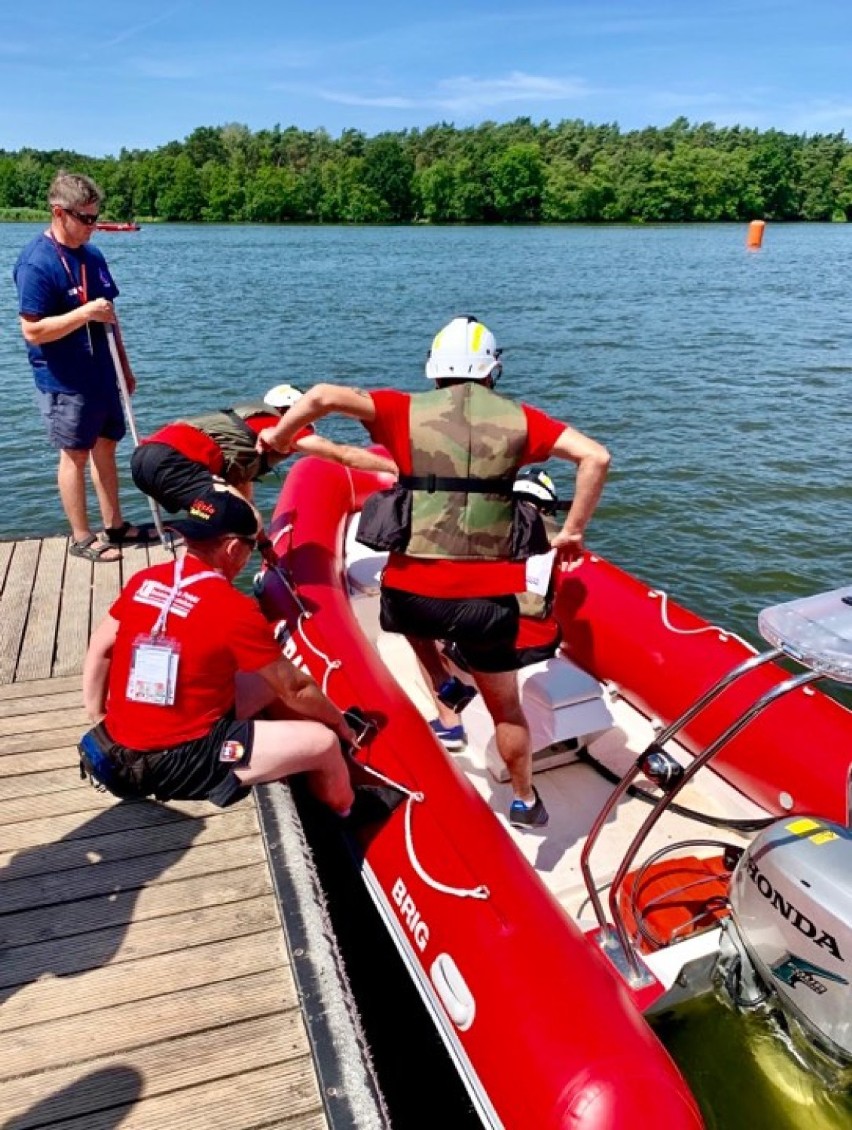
<point>81,288</point>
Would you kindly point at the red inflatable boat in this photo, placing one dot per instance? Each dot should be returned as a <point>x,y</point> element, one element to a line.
<point>539,953</point>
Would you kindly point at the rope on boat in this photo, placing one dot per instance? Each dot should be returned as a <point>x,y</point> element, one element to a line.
<point>480,892</point>
<point>723,634</point>
<point>330,664</point>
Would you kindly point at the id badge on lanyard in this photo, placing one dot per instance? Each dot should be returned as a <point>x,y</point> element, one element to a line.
<point>153,670</point>
<point>154,657</point>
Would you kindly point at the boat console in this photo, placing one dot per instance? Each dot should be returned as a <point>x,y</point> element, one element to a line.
<point>790,894</point>
<point>816,631</point>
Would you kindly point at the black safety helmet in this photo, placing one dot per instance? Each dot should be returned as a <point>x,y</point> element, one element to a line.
<point>535,485</point>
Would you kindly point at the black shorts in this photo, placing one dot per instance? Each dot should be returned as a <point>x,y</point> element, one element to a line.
<point>483,628</point>
<point>168,476</point>
<point>192,770</point>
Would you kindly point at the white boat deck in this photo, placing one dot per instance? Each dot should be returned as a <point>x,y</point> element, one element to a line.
<point>575,793</point>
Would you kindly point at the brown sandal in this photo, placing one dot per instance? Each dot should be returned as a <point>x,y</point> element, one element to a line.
<point>93,549</point>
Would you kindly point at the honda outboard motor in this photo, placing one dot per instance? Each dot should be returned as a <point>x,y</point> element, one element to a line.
<point>791,903</point>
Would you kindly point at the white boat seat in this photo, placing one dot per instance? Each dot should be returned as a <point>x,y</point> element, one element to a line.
<point>564,706</point>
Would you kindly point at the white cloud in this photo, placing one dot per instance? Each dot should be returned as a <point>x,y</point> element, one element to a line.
<point>467,95</point>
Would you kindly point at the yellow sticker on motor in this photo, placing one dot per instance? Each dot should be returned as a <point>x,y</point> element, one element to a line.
<point>803,827</point>
<point>824,836</point>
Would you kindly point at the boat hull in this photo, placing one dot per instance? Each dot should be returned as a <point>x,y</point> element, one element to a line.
<point>543,1030</point>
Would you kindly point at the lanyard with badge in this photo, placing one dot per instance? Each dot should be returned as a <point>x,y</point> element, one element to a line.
<point>155,656</point>
<point>81,288</point>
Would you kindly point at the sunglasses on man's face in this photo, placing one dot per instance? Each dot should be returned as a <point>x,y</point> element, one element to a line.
<point>82,217</point>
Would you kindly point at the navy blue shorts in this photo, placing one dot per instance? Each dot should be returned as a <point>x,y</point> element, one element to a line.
<point>484,629</point>
<point>169,477</point>
<point>75,422</point>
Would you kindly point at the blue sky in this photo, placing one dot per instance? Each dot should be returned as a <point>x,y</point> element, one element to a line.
<point>95,78</point>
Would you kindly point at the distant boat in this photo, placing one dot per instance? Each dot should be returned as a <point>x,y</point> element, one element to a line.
<point>109,225</point>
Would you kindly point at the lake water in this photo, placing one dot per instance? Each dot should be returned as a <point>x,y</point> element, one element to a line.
<point>718,378</point>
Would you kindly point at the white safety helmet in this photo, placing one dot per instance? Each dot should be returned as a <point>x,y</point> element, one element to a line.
<point>282,397</point>
<point>464,349</point>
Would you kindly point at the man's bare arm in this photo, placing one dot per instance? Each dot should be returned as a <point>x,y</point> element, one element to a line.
<point>592,460</point>
<point>316,403</point>
<point>301,694</point>
<point>41,331</point>
<point>96,668</point>
<point>348,454</point>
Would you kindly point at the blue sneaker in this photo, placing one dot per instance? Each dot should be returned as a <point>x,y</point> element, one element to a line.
<point>452,738</point>
<point>455,694</point>
<point>532,816</point>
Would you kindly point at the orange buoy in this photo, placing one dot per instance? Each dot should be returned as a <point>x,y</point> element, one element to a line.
<point>755,234</point>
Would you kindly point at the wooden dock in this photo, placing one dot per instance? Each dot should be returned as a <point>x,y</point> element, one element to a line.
<point>146,980</point>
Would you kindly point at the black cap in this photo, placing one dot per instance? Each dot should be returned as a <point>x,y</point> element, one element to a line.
<point>215,514</point>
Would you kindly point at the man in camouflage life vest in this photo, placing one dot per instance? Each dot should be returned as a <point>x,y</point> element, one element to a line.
<point>458,546</point>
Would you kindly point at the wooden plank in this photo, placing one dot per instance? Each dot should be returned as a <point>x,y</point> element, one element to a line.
<point>121,878</point>
<point>134,561</point>
<point>162,975</point>
<point>40,739</point>
<point>36,656</point>
<point>54,685</point>
<point>72,634</point>
<point>112,818</point>
<point>172,1065</point>
<point>63,957</point>
<point>158,901</point>
<point>37,761</point>
<point>26,706</point>
<point>232,824</point>
<point>15,603</point>
<point>81,800</point>
<point>133,1024</point>
<point>51,718</point>
<point>157,555</point>
<point>279,1097</point>
<point>106,585</point>
<point>6,550</point>
<point>275,1098</point>
<point>30,783</point>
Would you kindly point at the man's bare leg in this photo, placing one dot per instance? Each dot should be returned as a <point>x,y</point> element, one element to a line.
<point>502,700</point>
<point>105,480</point>
<point>71,479</point>
<point>436,672</point>
<point>283,748</point>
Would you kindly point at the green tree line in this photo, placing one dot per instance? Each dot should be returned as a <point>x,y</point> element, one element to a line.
<point>517,172</point>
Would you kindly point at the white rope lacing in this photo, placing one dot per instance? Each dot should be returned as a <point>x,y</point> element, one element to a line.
<point>413,797</point>
<point>723,635</point>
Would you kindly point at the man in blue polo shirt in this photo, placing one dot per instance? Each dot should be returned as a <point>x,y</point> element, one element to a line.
<point>65,302</point>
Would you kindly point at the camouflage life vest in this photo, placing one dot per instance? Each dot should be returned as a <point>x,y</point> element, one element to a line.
<point>464,432</point>
<point>236,440</point>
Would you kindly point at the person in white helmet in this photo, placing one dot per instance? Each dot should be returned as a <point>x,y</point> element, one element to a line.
<point>458,544</point>
<point>183,461</point>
